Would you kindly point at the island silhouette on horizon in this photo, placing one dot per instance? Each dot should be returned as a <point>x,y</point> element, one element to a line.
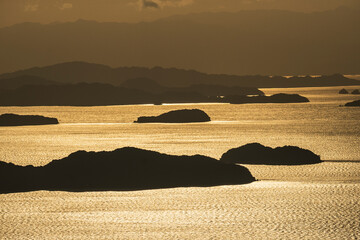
<point>256,153</point>
<point>177,116</point>
<point>10,119</point>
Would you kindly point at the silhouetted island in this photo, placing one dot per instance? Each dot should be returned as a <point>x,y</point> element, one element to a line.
<point>177,116</point>
<point>98,94</point>
<point>355,103</point>
<point>343,91</point>
<point>276,98</point>
<point>122,169</point>
<point>9,119</point>
<point>356,91</point>
<point>255,153</point>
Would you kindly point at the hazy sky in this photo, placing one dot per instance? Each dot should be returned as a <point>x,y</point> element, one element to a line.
<point>45,11</point>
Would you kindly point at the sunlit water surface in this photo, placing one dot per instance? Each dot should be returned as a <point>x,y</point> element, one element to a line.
<point>300,202</point>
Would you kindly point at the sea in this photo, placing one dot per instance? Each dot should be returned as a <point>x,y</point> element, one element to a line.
<point>287,202</point>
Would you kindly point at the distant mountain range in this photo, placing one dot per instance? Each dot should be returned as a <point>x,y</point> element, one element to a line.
<point>22,80</point>
<point>85,84</point>
<point>266,42</point>
<point>159,79</point>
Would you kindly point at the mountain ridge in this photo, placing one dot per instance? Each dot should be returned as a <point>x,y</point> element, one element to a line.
<point>267,42</point>
<point>75,72</point>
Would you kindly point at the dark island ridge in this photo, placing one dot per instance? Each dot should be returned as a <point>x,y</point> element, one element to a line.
<point>356,92</point>
<point>255,153</point>
<point>122,169</point>
<point>9,119</point>
<point>343,91</point>
<point>276,98</point>
<point>177,116</point>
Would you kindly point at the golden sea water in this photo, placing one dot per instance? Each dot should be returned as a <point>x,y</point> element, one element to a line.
<point>289,202</point>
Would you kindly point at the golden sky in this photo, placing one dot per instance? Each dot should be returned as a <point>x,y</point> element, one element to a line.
<point>46,11</point>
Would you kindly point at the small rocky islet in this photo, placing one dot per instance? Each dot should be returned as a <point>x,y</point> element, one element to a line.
<point>344,91</point>
<point>256,153</point>
<point>356,92</point>
<point>177,116</point>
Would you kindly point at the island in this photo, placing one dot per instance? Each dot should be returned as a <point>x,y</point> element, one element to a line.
<point>356,92</point>
<point>99,94</point>
<point>255,153</point>
<point>355,103</point>
<point>276,98</point>
<point>343,91</point>
<point>9,119</point>
<point>123,169</point>
<point>177,116</point>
